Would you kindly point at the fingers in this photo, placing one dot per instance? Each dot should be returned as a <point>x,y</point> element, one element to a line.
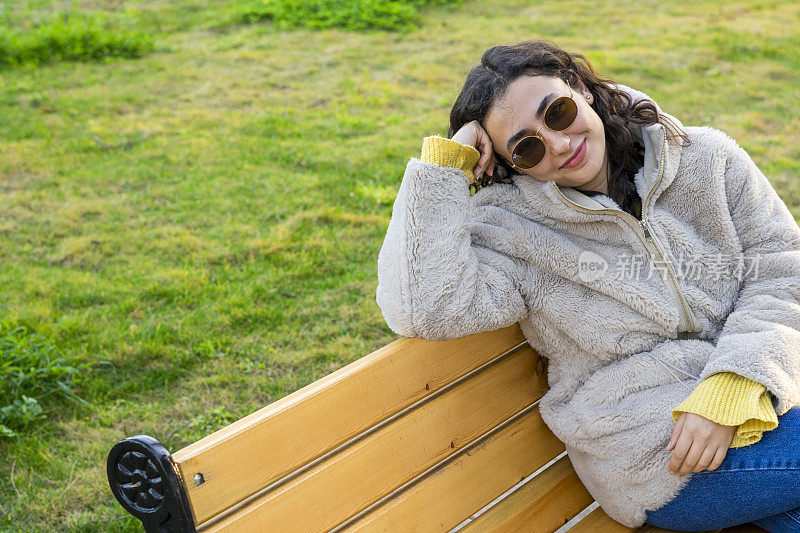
<point>681,444</point>
<point>487,153</point>
<point>719,456</point>
<point>680,453</point>
<point>691,457</point>
<point>702,456</point>
<point>705,458</point>
<point>676,431</point>
<point>720,450</point>
<point>481,163</point>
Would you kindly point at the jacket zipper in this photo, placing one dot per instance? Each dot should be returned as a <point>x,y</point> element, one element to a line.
<point>686,321</point>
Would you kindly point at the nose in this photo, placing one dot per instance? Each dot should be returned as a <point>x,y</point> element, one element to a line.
<point>557,142</point>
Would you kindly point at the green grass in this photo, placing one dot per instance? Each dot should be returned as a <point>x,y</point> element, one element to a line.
<point>203,223</point>
<point>33,373</point>
<point>71,36</point>
<point>347,14</point>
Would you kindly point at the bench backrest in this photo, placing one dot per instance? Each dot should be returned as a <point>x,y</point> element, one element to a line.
<point>380,441</point>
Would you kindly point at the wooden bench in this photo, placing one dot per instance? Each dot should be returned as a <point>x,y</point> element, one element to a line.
<point>416,436</point>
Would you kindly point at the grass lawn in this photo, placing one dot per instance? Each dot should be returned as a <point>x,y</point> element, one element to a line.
<point>203,223</point>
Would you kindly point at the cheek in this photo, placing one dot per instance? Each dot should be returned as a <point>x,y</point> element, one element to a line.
<point>596,134</point>
<point>594,122</point>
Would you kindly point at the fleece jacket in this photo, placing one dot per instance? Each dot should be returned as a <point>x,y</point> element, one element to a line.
<point>632,315</point>
<point>725,398</point>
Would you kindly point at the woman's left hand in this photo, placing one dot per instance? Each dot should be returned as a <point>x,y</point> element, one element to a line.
<point>699,444</point>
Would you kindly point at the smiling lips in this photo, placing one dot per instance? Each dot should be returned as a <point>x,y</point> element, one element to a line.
<point>576,159</point>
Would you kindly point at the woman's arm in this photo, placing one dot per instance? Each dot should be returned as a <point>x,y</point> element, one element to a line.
<point>758,349</point>
<point>433,282</point>
<point>761,336</point>
<point>732,400</point>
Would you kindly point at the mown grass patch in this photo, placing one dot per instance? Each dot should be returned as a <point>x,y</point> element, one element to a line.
<point>228,258</point>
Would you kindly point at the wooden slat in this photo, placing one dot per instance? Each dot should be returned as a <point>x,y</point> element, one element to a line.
<point>599,522</point>
<point>342,485</point>
<point>543,504</point>
<point>250,454</point>
<point>478,475</point>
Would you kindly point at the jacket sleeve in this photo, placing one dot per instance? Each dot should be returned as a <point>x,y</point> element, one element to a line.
<point>760,338</point>
<point>433,282</point>
<point>732,400</point>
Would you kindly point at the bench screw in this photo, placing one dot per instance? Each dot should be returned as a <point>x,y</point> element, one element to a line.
<point>198,479</point>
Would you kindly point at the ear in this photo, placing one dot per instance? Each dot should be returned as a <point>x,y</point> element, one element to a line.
<point>581,89</point>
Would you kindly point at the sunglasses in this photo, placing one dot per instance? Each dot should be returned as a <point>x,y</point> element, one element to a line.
<point>558,116</point>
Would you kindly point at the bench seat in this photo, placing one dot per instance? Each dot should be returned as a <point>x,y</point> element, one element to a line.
<point>416,436</point>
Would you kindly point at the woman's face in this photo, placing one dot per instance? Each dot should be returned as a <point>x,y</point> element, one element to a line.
<point>517,111</point>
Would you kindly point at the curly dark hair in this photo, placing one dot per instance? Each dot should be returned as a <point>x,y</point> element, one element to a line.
<point>501,65</point>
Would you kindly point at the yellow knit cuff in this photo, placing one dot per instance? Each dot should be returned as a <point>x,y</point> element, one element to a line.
<point>445,152</point>
<point>733,400</point>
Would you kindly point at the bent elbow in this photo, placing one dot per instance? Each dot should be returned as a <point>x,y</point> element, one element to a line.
<point>414,323</point>
<point>391,305</point>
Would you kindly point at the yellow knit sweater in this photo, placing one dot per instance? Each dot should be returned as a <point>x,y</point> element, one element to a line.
<point>726,398</point>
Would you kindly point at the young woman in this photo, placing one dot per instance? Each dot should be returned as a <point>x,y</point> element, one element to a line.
<point>653,265</point>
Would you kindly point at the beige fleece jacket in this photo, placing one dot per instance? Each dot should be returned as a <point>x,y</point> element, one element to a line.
<point>610,300</point>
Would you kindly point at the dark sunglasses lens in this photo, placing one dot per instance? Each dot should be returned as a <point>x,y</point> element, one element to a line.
<point>561,114</point>
<point>528,152</point>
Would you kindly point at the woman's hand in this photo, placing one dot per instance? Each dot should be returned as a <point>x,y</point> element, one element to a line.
<point>473,134</point>
<point>699,444</point>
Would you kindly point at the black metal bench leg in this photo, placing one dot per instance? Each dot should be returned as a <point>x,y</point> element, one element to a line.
<point>145,482</point>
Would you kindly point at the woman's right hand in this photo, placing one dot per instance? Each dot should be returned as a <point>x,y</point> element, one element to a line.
<point>473,134</point>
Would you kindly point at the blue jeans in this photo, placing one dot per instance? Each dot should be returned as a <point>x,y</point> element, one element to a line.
<point>759,483</point>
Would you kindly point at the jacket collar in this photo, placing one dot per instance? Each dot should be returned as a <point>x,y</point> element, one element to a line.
<point>660,167</point>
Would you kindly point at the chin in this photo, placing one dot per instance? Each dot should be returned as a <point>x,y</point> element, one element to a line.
<point>591,170</point>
